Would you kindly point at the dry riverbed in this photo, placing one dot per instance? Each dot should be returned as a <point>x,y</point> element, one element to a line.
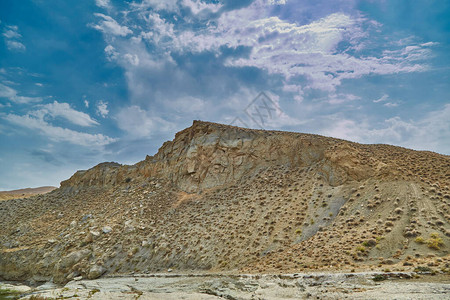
<point>219,286</point>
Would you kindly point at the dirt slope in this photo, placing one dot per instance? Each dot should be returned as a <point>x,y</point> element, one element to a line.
<point>222,198</point>
<point>23,193</point>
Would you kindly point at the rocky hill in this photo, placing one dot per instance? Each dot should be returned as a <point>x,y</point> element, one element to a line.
<point>226,199</point>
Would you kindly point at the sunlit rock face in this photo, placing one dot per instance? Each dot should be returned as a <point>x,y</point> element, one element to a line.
<point>223,198</point>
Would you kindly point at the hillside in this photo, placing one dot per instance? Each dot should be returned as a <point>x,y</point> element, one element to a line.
<point>220,198</point>
<point>23,193</point>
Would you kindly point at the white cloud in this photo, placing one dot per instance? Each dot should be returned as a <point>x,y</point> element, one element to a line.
<point>248,108</point>
<point>410,52</point>
<point>25,100</point>
<point>383,98</point>
<point>12,95</point>
<point>140,123</point>
<point>39,120</point>
<point>197,6</point>
<point>110,26</point>
<point>320,55</point>
<point>7,92</point>
<point>133,59</point>
<point>161,31</point>
<point>286,48</point>
<point>311,51</point>
<point>102,109</point>
<point>428,44</point>
<point>111,53</point>
<point>186,105</point>
<point>64,110</point>
<point>342,98</point>
<point>15,45</point>
<point>86,103</point>
<point>430,132</point>
<point>12,38</point>
<point>390,104</point>
<point>12,32</point>
<point>277,2</point>
<point>296,90</point>
<point>168,5</point>
<point>103,3</point>
<point>59,134</point>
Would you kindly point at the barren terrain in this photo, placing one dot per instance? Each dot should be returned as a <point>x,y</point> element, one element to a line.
<point>225,199</point>
<point>24,193</point>
<point>393,285</point>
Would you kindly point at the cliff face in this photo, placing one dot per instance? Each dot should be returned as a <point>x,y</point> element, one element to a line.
<point>222,198</point>
<point>209,155</point>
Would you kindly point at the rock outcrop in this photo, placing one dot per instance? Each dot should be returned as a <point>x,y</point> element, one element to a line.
<point>223,198</point>
<point>209,155</point>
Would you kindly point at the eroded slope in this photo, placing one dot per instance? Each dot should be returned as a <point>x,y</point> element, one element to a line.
<point>224,198</point>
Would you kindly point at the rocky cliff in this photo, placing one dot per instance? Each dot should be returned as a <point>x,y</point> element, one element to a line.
<point>223,198</point>
<point>208,155</point>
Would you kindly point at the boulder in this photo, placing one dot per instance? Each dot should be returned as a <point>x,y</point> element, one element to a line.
<point>73,258</point>
<point>96,271</point>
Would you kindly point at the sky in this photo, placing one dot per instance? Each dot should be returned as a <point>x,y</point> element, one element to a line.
<point>83,82</point>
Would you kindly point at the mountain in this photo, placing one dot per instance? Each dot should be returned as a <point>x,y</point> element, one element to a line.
<point>28,192</point>
<point>220,198</point>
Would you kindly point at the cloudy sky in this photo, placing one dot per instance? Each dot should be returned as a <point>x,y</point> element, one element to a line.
<point>82,82</point>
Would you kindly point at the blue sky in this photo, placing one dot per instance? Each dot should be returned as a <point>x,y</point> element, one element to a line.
<point>82,82</point>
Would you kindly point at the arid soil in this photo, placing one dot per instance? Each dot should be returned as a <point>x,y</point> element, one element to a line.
<point>225,199</point>
<point>24,193</point>
<point>248,287</point>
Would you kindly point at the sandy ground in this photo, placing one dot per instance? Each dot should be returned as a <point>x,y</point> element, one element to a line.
<point>216,286</point>
<point>24,193</point>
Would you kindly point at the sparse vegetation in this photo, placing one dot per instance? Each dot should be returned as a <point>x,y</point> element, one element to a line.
<point>38,297</point>
<point>93,292</point>
<point>435,241</point>
<point>361,248</point>
<point>9,294</point>
<point>369,243</point>
<point>423,269</point>
<point>163,218</point>
<point>379,277</point>
<point>420,240</point>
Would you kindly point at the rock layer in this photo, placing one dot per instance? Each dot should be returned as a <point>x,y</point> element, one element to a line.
<point>223,198</point>
<point>209,155</point>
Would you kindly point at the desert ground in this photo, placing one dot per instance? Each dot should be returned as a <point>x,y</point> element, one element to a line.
<point>220,199</point>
